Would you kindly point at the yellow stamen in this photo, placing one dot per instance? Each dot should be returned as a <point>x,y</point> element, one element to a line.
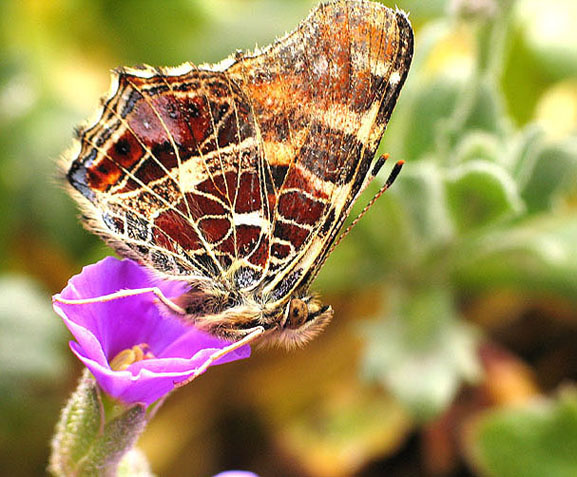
<point>129,356</point>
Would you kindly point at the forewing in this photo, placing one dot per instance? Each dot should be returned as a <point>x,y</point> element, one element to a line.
<point>169,174</point>
<point>322,97</point>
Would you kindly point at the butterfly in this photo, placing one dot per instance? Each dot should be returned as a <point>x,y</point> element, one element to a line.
<point>237,177</point>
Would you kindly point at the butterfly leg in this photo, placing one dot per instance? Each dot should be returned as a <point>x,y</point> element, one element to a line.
<point>124,294</point>
<point>254,334</point>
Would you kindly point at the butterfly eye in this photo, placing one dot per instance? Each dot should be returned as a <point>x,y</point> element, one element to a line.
<point>297,314</point>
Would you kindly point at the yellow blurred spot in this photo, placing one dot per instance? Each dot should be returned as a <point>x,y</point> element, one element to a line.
<point>80,83</point>
<point>549,24</point>
<point>557,109</point>
<point>43,8</point>
<point>453,53</point>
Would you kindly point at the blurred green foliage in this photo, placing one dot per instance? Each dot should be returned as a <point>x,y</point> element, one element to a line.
<point>538,439</point>
<point>455,296</point>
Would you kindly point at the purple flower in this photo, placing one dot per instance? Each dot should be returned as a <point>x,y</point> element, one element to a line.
<point>149,350</point>
<point>236,473</point>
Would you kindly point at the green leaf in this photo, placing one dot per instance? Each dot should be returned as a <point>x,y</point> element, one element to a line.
<point>480,194</point>
<point>478,146</point>
<point>428,105</point>
<point>537,440</point>
<point>478,108</point>
<point>487,112</point>
<point>539,254</point>
<point>422,196</point>
<point>553,169</point>
<point>523,150</point>
<point>422,353</point>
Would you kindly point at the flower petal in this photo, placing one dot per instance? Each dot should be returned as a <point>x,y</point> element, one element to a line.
<point>103,329</point>
<point>118,322</point>
<point>236,473</point>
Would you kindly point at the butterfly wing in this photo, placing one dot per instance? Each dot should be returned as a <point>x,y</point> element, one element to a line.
<point>244,173</point>
<point>322,97</point>
<point>169,175</point>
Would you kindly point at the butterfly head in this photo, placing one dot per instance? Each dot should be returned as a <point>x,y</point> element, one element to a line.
<point>302,319</point>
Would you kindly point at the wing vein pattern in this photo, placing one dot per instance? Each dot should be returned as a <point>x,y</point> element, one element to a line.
<point>244,172</point>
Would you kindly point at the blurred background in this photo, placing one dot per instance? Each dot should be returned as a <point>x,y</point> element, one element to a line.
<point>453,351</point>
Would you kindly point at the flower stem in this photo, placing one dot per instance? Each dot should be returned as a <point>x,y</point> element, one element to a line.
<point>92,438</point>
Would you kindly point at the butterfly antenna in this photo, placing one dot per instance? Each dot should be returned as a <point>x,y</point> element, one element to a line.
<point>392,176</point>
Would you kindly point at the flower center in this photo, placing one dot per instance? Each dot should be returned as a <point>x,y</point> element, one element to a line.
<point>129,356</point>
